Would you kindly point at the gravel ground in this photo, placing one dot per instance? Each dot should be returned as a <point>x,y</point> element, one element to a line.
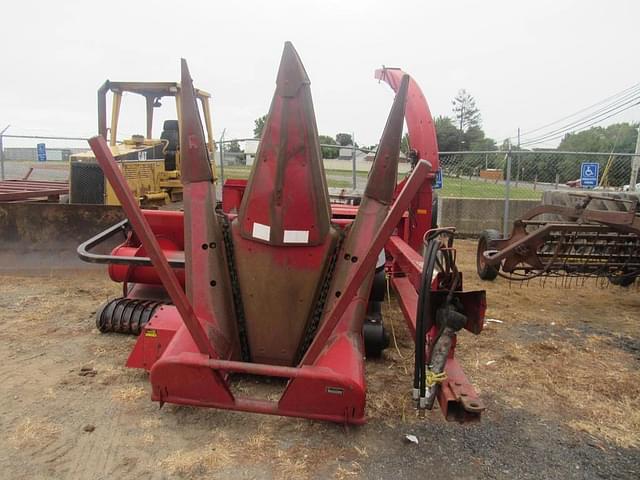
<point>559,377</point>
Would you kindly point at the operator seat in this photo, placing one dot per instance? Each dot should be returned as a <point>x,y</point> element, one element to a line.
<point>172,136</point>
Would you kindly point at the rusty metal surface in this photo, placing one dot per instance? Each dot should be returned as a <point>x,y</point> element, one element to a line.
<point>587,241</point>
<point>208,282</point>
<point>286,266</point>
<point>369,231</point>
<point>52,227</point>
<point>362,266</point>
<point>17,190</point>
<point>457,398</point>
<point>280,293</point>
<point>282,237</point>
<point>287,188</point>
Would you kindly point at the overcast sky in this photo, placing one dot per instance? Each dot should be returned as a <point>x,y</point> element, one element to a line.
<point>527,63</point>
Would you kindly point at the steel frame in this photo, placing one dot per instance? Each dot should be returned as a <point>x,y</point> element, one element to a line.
<point>18,190</point>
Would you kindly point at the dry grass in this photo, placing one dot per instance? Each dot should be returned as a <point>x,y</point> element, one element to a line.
<point>389,406</point>
<point>556,354</point>
<point>586,383</point>
<point>353,470</point>
<point>392,405</point>
<point>150,423</point>
<point>540,360</point>
<point>259,450</point>
<point>291,466</point>
<point>213,456</point>
<point>34,432</point>
<point>129,394</point>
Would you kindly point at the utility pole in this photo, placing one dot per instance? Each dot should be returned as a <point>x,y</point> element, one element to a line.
<point>518,160</point>
<point>353,161</point>
<point>2,153</point>
<point>222,156</point>
<point>461,125</point>
<point>635,165</point>
<point>507,191</point>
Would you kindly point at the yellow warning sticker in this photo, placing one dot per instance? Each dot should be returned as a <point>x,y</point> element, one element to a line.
<point>151,333</point>
<point>422,211</point>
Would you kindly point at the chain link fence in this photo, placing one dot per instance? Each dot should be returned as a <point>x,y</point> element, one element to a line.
<point>37,157</point>
<point>527,174</point>
<point>486,174</point>
<point>499,175</point>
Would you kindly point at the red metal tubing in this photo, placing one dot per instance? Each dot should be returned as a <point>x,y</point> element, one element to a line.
<point>307,372</point>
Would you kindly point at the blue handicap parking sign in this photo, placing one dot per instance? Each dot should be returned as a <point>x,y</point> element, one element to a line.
<point>42,152</point>
<point>589,172</point>
<point>437,183</point>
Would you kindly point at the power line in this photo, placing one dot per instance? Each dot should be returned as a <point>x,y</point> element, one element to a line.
<point>603,110</point>
<point>562,134</point>
<point>620,93</point>
<point>571,126</point>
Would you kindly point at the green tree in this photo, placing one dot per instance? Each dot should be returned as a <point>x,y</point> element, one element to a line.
<point>328,152</point>
<point>616,138</point>
<point>619,138</point>
<point>259,126</point>
<point>447,133</point>
<point>451,139</point>
<point>405,144</point>
<point>233,146</point>
<point>344,139</point>
<point>475,140</point>
<point>465,111</point>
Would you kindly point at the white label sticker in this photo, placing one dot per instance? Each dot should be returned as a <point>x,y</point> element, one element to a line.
<point>263,232</point>
<point>296,236</point>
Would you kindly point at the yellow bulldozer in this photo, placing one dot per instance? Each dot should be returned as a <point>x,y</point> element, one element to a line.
<point>150,165</point>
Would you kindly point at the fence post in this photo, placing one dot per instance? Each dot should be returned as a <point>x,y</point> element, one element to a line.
<point>1,158</point>
<point>507,191</point>
<point>353,161</point>
<point>2,153</point>
<point>635,165</point>
<point>222,157</point>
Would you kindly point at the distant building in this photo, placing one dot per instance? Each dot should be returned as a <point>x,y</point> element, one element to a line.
<point>234,158</point>
<point>369,157</point>
<point>250,150</point>
<point>346,153</point>
<point>30,154</point>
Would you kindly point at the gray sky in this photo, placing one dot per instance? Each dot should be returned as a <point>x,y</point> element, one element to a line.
<point>527,63</point>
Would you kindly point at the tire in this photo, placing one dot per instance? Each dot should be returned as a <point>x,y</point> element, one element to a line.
<point>374,334</point>
<point>485,271</point>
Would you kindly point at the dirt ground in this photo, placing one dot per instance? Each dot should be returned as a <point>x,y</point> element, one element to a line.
<point>559,377</point>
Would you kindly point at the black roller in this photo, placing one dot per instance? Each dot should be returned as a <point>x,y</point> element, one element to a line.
<point>379,286</point>
<point>376,337</point>
<point>125,315</point>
